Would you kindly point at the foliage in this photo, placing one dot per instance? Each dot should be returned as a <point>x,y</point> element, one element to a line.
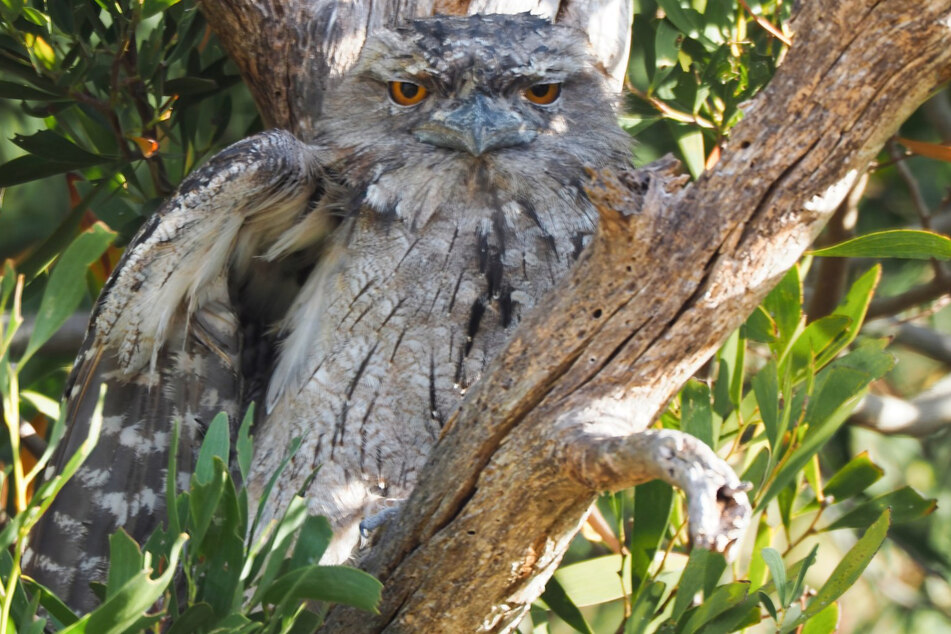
<point>131,95</point>
<point>125,97</point>
<point>693,63</point>
<point>231,584</point>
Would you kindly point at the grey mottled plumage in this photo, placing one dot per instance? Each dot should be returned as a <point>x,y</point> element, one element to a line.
<point>421,232</point>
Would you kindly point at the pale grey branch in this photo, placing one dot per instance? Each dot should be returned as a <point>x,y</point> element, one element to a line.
<point>719,509</point>
<point>926,414</point>
<point>65,341</point>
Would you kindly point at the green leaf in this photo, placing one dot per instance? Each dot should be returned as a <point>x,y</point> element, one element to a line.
<point>53,147</point>
<point>766,388</point>
<point>314,537</point>
<point>635,124</point>
<point>806,563</point>
<point>652,504</point>
<point>292,450</point>
<point>757,573</point>
<point>217,443</point>
<point>778,571</point>
<point>30,168</point>
<point>760,326</point>
<point>690,143</point>
<point>687,20</point>
<point>784,304</point>
<point>820,335</point>
<point>203,501</point>
<point>696,414</point>
<point>825,622</point>
<point>124,609</point>
<point>642,612</point>
<point>856,476</point>
<point>838,388</point>
<point>743,615</point>
<point>125,561</point>
<point>334,584</point>
<point>221,552</point>
<point>67,285</point>
<point>243,447</point>
<point>848,570</point>
<point>666,45</point>
<point>560,603</point>
<point>11,90</point>
<point>595,581</point>
<point>196,618</point>
<point>189,86</point>
<point>905,505</point>
<point>768,604</point>
<point>153,7</point>
<point>53,604</point>
<point>854,306</point>
<point>701,573</point>
<point>279,543</point>
<point>719,601</point>
<point>896,243</point>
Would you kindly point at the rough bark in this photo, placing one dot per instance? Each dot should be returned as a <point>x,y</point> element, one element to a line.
<point>673,269</point>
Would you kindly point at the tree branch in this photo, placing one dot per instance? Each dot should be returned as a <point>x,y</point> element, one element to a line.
<point>718,508</point>
<point>924,415</point>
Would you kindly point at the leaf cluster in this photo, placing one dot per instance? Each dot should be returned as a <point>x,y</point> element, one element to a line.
<point>236,576</point>
<point>129,94</point>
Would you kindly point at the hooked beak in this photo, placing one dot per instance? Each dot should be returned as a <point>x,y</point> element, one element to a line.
<point>475,127</point>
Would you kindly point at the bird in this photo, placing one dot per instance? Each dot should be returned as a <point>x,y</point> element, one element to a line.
<point>353,284</point>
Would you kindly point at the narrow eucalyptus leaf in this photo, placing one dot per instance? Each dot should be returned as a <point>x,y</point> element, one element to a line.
<point>560,603</point>
<point>848,570</point>
<point>895,243</point>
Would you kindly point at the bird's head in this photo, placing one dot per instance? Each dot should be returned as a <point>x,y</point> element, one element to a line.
<point>496,99</point>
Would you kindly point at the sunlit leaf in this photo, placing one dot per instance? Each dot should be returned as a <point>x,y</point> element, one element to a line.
<point>825,622</point>
<point>896,243</point>
<point>125,561</point>
<point>652,504</point>
<point>856,476</point>
<point>560,603</point>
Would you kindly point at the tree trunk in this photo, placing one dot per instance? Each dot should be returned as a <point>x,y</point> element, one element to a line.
<point>673,269</point>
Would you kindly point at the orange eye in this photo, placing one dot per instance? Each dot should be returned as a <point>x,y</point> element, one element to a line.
<point>543,94</point>
<point>406,93</point>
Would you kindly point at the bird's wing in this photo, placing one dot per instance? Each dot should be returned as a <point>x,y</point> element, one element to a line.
<point>171,337</point>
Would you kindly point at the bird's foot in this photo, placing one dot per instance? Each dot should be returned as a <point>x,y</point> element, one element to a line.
<point>378,519</point>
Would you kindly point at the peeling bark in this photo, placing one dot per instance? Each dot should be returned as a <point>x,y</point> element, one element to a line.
<point>673,269</point>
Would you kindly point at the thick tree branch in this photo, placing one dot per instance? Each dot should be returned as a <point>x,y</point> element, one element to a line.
<point>923,415</point>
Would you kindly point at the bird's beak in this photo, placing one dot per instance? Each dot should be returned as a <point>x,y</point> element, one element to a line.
<point>476,127</point>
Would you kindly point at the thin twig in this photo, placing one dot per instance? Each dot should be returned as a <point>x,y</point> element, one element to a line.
<point>890,306</point>
<point>666,110</point>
